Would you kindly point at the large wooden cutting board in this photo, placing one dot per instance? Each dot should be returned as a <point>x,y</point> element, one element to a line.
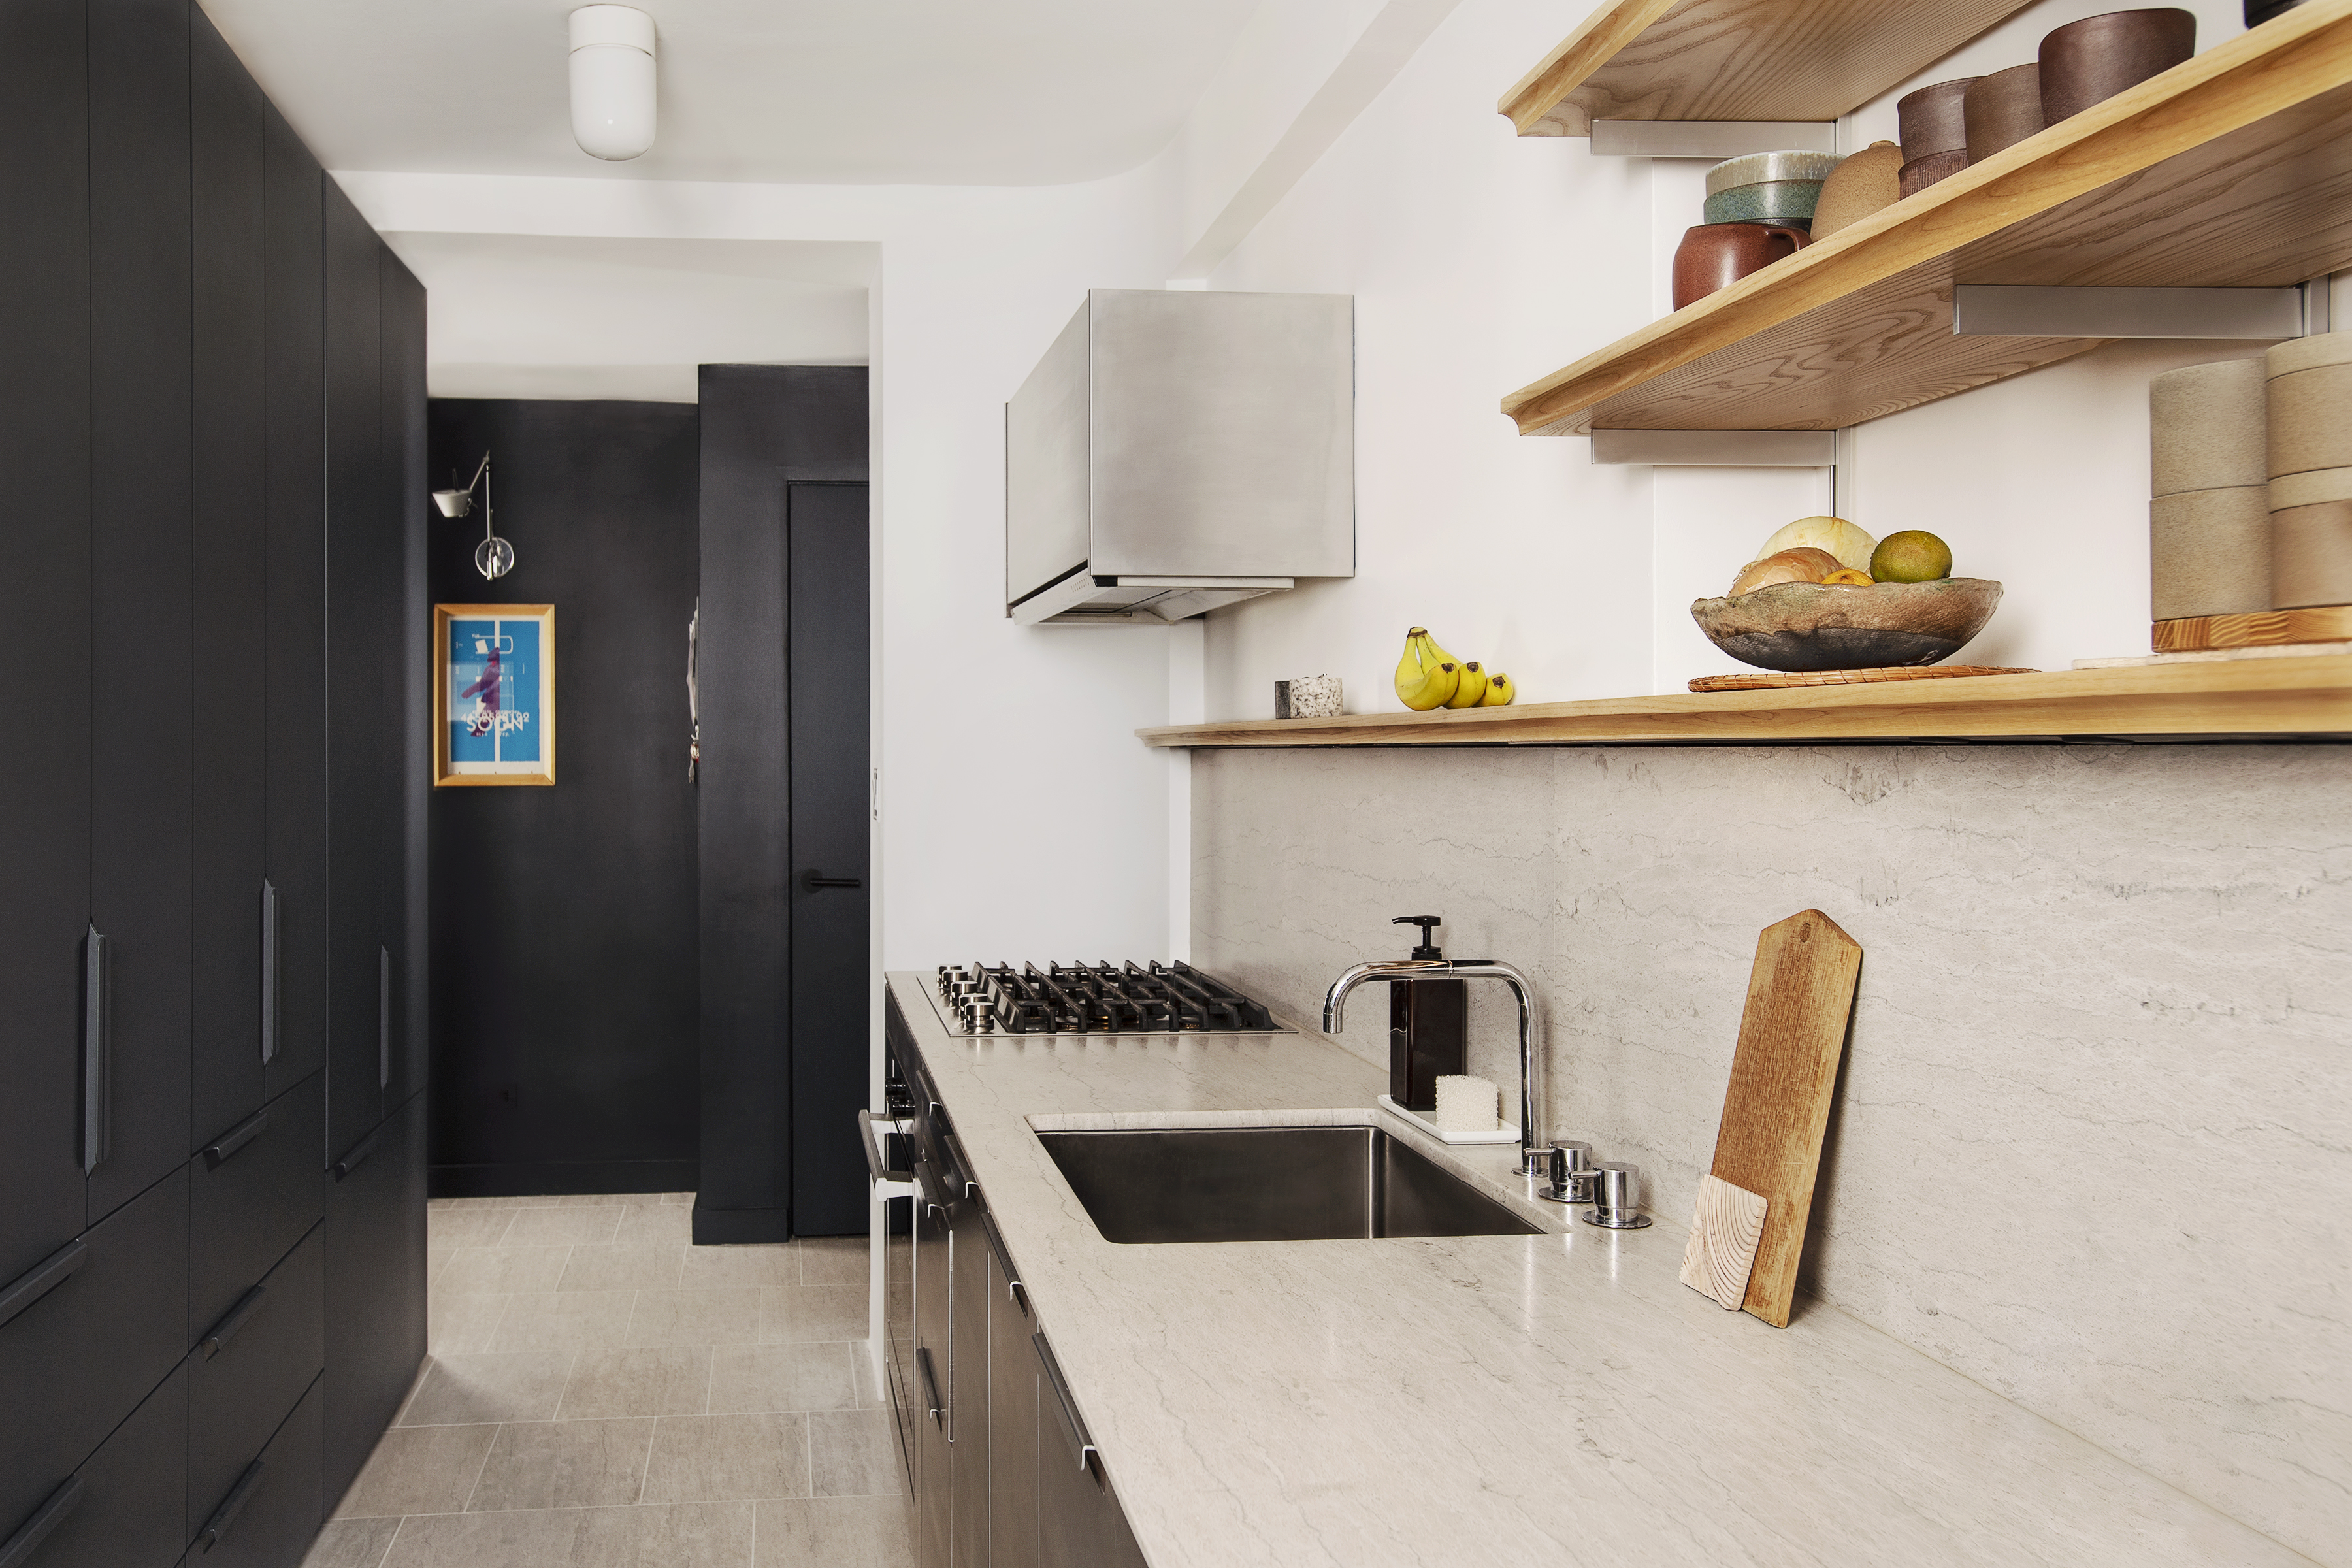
<point>1778,1105</point>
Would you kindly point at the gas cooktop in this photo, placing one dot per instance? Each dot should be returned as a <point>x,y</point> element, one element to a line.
<point>1094,999</point>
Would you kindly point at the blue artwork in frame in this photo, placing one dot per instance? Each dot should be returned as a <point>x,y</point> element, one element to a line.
<point>494,694</point>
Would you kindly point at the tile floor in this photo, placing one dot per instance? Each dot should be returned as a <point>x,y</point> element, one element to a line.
<point>602,1393</point>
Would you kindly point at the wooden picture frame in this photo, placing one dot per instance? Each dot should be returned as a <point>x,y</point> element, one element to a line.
<point>493,694</point>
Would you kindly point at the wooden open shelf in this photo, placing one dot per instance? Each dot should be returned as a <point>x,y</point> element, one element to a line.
<point>2253,697</point>
<point>2233,169</point>
<point>1738,59</point>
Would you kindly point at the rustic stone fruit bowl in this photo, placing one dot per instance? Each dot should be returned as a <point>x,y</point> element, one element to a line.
<point>1816,626</point>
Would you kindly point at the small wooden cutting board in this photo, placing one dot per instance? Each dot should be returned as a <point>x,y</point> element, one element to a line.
<point>1724,1233</point>
<point>1777,1107</point>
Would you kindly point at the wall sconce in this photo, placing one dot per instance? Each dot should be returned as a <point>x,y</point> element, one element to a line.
<point>493,557</point>
<point>612,81</point>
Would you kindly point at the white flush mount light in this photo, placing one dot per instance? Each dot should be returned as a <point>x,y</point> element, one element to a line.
<point>612,81</point>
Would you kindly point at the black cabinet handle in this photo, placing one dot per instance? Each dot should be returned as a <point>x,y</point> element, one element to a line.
<point>382,1017</point>
<point>813,881</point>
<point>213,1344</point>
<point>269,972</point>
<point>1089,1458</point>
<point>41,1278</point>
<point>937,1408</point>
<point>231,1506</point>
<point>1013,1289</point>
<point>357,1155</point>
<point>18,1548</point>
<point>97,1125</point>
<point>235,1138</point>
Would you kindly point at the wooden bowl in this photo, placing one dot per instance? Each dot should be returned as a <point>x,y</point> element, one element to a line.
<point>2085,62</point>
<point>1812,625</point>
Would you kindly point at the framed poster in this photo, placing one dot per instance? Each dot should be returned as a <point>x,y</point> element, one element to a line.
<point>493,694</point>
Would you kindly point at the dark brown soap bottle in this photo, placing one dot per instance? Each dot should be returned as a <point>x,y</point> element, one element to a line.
<point>1429,1022</point>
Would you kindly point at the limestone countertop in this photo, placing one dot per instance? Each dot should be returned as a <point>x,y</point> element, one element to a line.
<point>1559,1398</point>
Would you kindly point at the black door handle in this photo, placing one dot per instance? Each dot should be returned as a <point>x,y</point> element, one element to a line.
<point>269,986</point>
<point>213,1344</point>
<point>359,1152</point>
<point>41,1278</point>
<point>96,1040</point>
<point>231,1506</point>
<point>236,1138</point>
<point>18,1548</point>
<point>813,881</point>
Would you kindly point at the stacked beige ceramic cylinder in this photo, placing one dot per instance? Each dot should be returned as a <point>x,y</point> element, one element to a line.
<point>2310,447</point>
<point>2208,524</point>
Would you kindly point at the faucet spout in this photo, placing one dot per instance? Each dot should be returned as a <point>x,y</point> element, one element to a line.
<point>1532,1151</point>
<point>1335,1001</point>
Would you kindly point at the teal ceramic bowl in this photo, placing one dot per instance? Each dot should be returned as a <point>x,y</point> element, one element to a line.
<point>1774,201</point>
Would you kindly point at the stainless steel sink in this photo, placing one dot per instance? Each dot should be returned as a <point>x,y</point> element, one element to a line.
<point>1269,1183</point>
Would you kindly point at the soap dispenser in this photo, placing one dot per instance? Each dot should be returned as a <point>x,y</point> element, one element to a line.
<point>1429,1022</point>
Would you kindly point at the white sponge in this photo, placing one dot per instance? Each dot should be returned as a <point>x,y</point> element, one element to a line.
<point>1467,1104</point>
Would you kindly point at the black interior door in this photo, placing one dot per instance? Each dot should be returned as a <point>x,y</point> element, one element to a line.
<point>828,684</point>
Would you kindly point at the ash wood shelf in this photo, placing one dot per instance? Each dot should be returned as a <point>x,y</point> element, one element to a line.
<point>2233,169</point>
<point>2255,698</point>
<point>1738,59</point>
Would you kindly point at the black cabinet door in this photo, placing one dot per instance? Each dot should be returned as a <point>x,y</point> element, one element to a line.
<point>293,683</point>
<point>45,688</point>
<point>1079,1524</point>
<point>131,1508</point>
<point>271,1513</point>
<point>244,1382</point>
<point>969,1354</point>
<point>253,1191</point>
<point>1013,1377</point>
<point>934,1465</point>
<point>407,694</point>
<point>231,556</point>
<point>357,579</point>
<point>375,1293</point>
<point>831,975</point>
<point>141,776</point>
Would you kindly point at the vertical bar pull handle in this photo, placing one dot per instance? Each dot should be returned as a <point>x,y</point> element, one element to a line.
<point>382,1017</point>
<point>18,1548</point>
<point>96,1123</point>
<point>269,986</point>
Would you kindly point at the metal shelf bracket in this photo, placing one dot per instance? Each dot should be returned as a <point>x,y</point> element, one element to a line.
<point>1987,309</point>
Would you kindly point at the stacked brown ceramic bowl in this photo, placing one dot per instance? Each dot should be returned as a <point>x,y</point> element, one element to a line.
<point>2309,447</point>
<point>2209,525</point>
<point>2089,61</point>
<point>2002,109</point>
<point>1933,123</point>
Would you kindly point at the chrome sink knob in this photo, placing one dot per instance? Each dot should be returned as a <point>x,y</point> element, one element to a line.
<point>1616,1186</point>
<point>1570,1172</point>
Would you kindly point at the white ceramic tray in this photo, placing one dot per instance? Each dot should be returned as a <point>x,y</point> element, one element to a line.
<point>1501,1134</point>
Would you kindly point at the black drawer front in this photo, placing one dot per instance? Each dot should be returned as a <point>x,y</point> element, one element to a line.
<point>240,1392</point>
<point>81,1357</point>
<point>376,1289</point>
<point>265,1518</point>
<point>131,1497</point>
<point>253,1191</point>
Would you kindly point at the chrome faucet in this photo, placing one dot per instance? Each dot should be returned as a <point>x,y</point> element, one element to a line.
<point>1533,1155</point>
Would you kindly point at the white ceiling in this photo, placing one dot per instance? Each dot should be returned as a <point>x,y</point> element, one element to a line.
<point>833,91</point>
<point>552,317</point>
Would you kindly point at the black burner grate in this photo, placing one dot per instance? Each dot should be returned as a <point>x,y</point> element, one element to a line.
<point>1095,999</point>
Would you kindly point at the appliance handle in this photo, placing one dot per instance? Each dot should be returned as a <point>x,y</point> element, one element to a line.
<point>231,1506</point>
<point>41,1278</point>
<point>236,1138</point>
<point>213,1344</point>
<point>97,1047</point>
<point>1089,1457</point>
<point>813,881</point>
<point>18,1548</point>
<point>269,973</point>
<point>887,1182</point>
<point>937,1409</point>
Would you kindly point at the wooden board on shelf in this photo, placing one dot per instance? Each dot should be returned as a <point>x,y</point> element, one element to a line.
<point>2200,632</point>
<point>1773,679</point>
<point>2230,170</point>
<point>1738,59</point>
<point>2297,697</point>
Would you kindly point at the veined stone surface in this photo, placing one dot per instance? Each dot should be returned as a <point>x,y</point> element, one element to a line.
<point>2094,1141</point>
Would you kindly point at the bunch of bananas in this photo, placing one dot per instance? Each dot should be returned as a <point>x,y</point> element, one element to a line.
<point>1428,676</point>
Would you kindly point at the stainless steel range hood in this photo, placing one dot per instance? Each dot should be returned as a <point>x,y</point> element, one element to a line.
<point>1176,450</point>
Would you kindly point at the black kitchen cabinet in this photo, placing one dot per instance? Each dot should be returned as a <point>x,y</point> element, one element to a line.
<point>376,1289</point>
<point>130,1501</point>
<point>928,1413</point>
<point>250,1369</point>
<point>254,1191</point>
<point>1079,1524</point>
<point>270,1512</point>
<point>1014,1373</point>
<point>44,687</point>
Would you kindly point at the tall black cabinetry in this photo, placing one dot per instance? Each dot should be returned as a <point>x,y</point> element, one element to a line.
<point>212,1242</point>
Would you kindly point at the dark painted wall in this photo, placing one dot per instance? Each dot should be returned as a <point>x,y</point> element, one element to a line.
<point>564,925</point>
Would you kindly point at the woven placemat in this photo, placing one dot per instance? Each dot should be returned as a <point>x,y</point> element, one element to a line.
<point>1767,680</point>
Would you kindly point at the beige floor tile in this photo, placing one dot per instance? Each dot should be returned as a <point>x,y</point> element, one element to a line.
<point>720,1459</point>
<point>586,1226</point>
<point>837,1533</point>
<point>418,1469</point>
<point>535,1540</point>
<point>476,1203</point>
<point>461,1325</point>
<point>872,1393</point>
<point>804,1312</point>
<point>504,1269</point>
<point>642,1224</point>
<point>437,1259</point>
<point>833,1259</point>
<point>351,1544</point>
<point>676,1535</point>
<point>854,1453</point>
<point>564,1319</point>
<point>624,1267</point>
<point>695,1317</point>
<point>624,1199</point>
<point>677,1200</point>
<point>465,1389</point>
<point>563,1464</point>
<point>467,1228</point>
<point>768,1263</point>
<point>669,1380</point>
<point>746,1378</point>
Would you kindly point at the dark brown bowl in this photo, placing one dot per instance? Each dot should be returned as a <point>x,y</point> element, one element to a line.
<point>2002,109</point>
<point>1933,120</point>
<point>2087,61</point>
<point>1920,172</point>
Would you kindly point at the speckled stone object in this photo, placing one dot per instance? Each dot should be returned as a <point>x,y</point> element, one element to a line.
<point>1314,697</point>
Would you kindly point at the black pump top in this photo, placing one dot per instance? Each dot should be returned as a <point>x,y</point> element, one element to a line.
<point>1427,949</point>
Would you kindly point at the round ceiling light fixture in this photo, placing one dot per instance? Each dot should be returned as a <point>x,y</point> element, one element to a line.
<point>612,81</point>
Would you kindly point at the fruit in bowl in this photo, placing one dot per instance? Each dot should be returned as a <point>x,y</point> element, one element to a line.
<point>1803,607</point>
